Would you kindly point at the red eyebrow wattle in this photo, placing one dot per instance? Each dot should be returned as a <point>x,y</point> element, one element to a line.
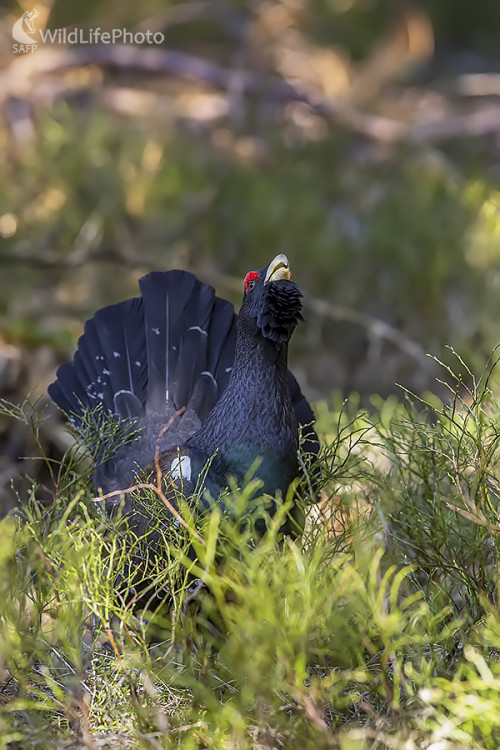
<point>251,276</point>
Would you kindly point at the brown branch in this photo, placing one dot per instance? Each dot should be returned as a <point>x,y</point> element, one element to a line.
<point>476,84</point>
<point>53,259</point>
<point>161,495</point>
<point>163,430</point>
<point>158,61</point>
<point>480,122</point>
<point>377,327</point>
<point>22,78</point>
<point>320,308</point>
<point>18,81</point>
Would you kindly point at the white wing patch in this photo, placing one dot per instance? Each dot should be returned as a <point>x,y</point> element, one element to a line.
<point>181,469</point>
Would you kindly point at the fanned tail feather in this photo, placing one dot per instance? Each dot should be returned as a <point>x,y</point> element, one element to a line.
<point>145,358</point>
<point>222,336</point>
<point>119,329</point>
<point>166,296</point>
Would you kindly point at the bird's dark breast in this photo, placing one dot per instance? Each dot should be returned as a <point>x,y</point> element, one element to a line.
<point>275,467</point>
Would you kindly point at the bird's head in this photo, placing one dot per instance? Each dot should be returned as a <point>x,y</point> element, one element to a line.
<point>272,301</point>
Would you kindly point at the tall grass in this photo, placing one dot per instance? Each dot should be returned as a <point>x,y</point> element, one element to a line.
<point>378,630</point>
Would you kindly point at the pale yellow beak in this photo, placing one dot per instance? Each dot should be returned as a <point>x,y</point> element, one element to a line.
<point>278,269</point>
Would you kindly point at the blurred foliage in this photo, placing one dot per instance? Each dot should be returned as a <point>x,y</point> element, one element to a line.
<point>405,243</point>
<point>114,173</point>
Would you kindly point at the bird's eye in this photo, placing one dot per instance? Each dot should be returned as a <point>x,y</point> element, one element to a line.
<point>250,280</point>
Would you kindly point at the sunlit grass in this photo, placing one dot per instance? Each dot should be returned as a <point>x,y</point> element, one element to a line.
<point>378,631</point>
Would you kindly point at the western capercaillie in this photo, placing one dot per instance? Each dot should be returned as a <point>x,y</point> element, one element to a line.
<point>178,346</point>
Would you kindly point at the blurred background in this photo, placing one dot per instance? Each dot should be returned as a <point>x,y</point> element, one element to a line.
<point>360,137</point>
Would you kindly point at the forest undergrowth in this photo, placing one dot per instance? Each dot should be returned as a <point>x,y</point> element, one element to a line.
<point>379,628</point>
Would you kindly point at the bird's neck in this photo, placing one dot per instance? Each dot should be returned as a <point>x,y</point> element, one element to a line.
<point>255,411</point>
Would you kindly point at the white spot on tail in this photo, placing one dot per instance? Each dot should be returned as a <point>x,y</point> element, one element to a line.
<point>123,390</point>
<point>209,374</point>
<point>116,354</point>
<point>181,469</point>
<point>156,330</point>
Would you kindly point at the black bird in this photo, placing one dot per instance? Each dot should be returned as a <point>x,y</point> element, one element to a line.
<point>179,346</point>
